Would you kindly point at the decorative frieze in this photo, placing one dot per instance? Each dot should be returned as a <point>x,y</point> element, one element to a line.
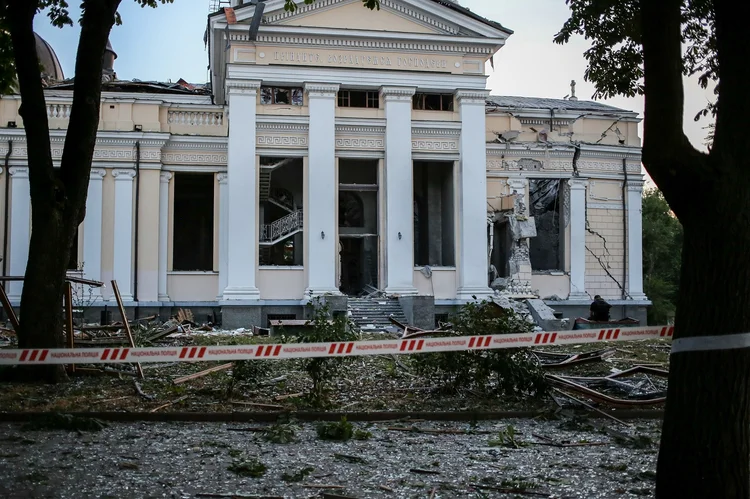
<point>282,141</point>
<point>194,158</point>
<point>360,143</point>
<point>434,145</point>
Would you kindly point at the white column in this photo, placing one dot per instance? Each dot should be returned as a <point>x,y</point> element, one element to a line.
<point>92,231</point>
<point>322,246</point>
<point>20,227</point>
<point>399,191</point>
<point>122,271</point>
<point>164,179</point>
<point>242,237</point>
<point>472,196</point>
<point>578,239</point>
<point>223,224</point>
<point>635,240</point>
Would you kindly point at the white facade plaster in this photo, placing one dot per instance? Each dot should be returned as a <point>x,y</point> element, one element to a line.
<point>164,179</point>
<point>399,191</point>
<point>322,190</point>
<point>242,193</point>
<point>472,174</point>
<point>92,232</point>
<point>223,179</point>
<point>122,271</point>
<point>635,241</point>
<point>20,227</point>
<point>578,239</point>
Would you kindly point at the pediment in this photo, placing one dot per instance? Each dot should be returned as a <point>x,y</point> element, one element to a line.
<point>428,17</point>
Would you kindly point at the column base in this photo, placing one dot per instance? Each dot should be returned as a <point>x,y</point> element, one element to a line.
<point>577,296</point>
<point>637,296</point>
<point>401,290</point>
<point>241,293</point>
<point>164,298</point>
<point>469,292</point>
<point>126,297</point>
<point>313,293</point>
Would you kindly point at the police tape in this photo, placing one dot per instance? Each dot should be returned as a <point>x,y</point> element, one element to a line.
<point>337,349</point>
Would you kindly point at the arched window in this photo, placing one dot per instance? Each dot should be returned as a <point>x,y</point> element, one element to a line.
<point>351,210</point>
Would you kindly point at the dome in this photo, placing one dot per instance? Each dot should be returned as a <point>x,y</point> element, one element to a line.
<point>48,59</point>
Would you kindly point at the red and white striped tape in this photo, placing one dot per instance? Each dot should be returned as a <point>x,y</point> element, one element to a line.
<point>337,349</point>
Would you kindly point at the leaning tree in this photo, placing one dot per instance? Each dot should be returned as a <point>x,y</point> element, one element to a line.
<point>637,48</point>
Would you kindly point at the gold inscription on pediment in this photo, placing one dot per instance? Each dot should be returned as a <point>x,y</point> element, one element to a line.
<point>352,59</point>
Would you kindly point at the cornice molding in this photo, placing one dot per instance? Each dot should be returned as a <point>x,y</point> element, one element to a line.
<point>467,96</point>
<point>195,158</point>
<point>397,93</point>
<point>436,132</point>
<point>360,130</point>
<point>282,127</point>
<point>360,143</point>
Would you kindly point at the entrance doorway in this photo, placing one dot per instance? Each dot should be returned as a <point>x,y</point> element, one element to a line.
<point>358,226</point>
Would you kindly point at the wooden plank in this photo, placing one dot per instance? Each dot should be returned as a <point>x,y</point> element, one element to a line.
<point>77,280</point>
<point>125,322</point>
<point>183,379</point>
<point>69,319</point>
<point>9,310</point>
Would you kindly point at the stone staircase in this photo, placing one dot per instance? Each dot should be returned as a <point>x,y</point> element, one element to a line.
<point>372,314</point>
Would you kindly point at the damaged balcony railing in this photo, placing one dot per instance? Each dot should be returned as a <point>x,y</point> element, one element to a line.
<point>281,228</point>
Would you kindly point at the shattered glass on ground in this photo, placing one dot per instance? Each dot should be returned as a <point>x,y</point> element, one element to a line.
<point>569,458</point>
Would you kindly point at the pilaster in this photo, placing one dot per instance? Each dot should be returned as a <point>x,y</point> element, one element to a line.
<point>578,239</point>
<point>92,231</point>
<point>635,241</point>
<point>223,225</point>
<point>20,227</point>
<point>322,190</point>
<point>399,187</point>
<point>472,198</point>
<point>122,271</point>
<point>242,212</point>
<point>164,179</point>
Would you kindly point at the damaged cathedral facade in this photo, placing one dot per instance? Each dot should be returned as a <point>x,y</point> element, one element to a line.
<point>344,153</point>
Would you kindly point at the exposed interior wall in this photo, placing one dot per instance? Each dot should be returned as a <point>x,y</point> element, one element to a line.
<point>546,205</point>
<point>551,285</point>
<point>434,200</point>
<point>286,194</point>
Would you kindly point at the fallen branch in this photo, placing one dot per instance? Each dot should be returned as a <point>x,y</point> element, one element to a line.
<point>552,443</point>
<point>200,374</point>
<point>175,401</point>
<point>506,490</point>
<point>254,404</point>
<point>589,406</point>
<point>140,391</point>
<point>386,488</point>
<point>287,396</point>
<point>322,486</point>
<point>424,472</point>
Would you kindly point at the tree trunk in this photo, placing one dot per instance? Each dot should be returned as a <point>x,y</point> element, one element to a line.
<point>705,445</point>
<point>58,196</point>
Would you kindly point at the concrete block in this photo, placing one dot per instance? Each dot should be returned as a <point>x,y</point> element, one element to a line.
<point>419,310</point>
<point>544,316</point>
<point>237,316</point>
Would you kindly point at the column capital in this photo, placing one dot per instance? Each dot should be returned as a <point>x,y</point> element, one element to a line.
<point>19,171</point>
<point>165,177</point>
<point>465,96</point>
<point>242,87</point>
<point>123,174</point>
<point>222,178</point>
<point>518,183</point>
<point>397,93</point>
<point>578,184</point>
<point>98,173</point>
<point>322,89</point>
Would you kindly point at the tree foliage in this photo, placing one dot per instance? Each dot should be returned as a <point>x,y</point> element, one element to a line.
<point>662,250</point>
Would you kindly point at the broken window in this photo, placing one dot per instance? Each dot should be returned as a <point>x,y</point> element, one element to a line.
<point>434,231</point>
<point>433,102</point>
<point>282,95</point>
<point>193,240</point>
<point>358,98</point>
<point>280,207</point>
<point>546,206</point>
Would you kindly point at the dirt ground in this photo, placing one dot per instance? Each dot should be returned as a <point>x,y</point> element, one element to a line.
<point>368,384</point>
<point>565,458</point>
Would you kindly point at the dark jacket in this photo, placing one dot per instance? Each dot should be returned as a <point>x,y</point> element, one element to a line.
<point>599,310</point>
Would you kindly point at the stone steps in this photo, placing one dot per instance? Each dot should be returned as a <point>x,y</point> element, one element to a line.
<point>371,315</point>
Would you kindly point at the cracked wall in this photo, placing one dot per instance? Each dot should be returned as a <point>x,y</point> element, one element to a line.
<point>605,252</point>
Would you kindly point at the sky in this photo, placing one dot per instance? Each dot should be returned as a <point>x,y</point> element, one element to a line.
<point>167,44</point>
